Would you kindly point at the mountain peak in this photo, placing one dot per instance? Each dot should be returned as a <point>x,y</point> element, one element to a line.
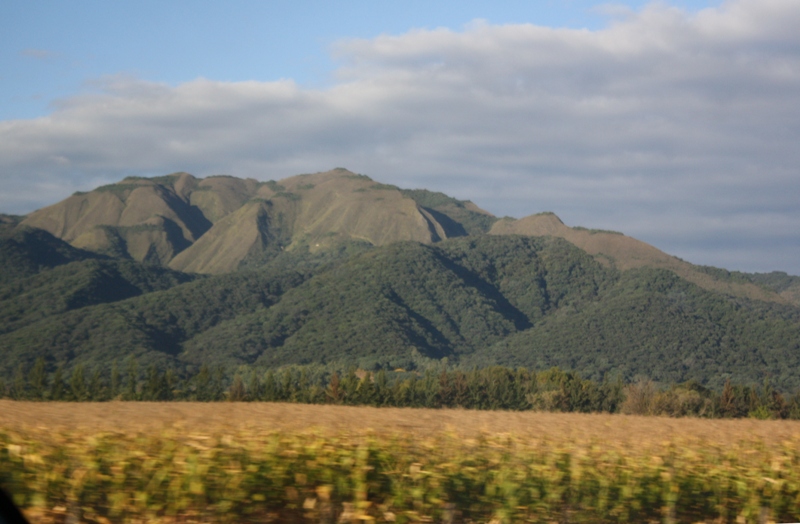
<point>220,223</point>
<point>185,222</point>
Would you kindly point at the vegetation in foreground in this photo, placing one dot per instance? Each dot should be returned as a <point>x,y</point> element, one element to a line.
<point>235,474</point>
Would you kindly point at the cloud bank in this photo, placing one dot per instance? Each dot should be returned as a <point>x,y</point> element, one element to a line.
<point>681,130</point>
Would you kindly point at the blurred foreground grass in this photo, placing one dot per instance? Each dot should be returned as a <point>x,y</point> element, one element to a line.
<point>240,474</point>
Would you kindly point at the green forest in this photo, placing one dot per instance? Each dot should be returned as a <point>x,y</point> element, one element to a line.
<point>466,303</point>
<point>329,280</point>
<point>490,388</point>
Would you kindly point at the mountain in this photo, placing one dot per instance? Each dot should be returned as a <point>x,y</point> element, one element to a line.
<point>623,252</point>
<point>217,224</point>
<point>336,269</point>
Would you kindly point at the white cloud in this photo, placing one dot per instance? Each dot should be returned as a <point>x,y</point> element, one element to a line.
<point>38,54</point>
<point>661,118</point>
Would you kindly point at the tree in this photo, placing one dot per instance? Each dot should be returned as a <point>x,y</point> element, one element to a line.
<point>218,383</point>
<point>727,401</point>
<point>254,386</point>
<point>302,392</point>
<point>350,387</point>
<point>131,384</point>
<point>202,384</point>
<point>639,398</point>
<point>270,393</point>
<point>156,387</point>
<point>365,391</point>
<point>334,391</point>
<point>115,381</point>
<point>18,388</point>
<point>446,390</point>
<point>382,392</point>
<point>57,386</point>
<point>96,391</point>
<point>170,383</point>
<point>460,389</point>
<point>237,393</point>
<point>77,384</point>
<point>287,385</point>
<point>37,380</point>
<point>430,388</point>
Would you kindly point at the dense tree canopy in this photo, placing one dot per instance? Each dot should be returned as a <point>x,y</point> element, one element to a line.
<point>476,301</point>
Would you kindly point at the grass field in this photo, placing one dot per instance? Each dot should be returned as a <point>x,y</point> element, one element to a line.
<point>259,462</point>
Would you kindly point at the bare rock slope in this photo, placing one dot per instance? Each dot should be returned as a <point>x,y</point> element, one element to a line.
<point>220,223</point>
<point>212,225</point>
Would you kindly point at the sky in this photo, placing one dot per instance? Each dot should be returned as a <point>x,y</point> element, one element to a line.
<point>675,122</point>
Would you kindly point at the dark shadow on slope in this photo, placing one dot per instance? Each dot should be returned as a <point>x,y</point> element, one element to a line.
<point>191,215</point>
<point>439,346</point>
<point>502,305</point>
<point>29,250</point>
<point>451,227</point>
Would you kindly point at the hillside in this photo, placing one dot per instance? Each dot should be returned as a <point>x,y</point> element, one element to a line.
<point>186,223</point>
<point>481,301</point>
<point>335,269</point>
<point>624,253</point>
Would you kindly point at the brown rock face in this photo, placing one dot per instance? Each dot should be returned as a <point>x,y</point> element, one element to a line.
<point>211,225</point>
<point>216,224</point>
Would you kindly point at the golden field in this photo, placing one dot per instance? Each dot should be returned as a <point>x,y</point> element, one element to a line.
<point>261,462</point>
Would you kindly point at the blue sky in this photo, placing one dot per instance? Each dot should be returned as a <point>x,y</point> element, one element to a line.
<point>54,49</point>
<point>674,122</point>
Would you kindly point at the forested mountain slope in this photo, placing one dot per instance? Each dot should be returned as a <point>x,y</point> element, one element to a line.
<point>514,300</point>
<point>624,252</point>
<point>336,269</point>
<point>655,325</point>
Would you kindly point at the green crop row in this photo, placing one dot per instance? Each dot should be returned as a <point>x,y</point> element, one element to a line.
<point>315,477</point>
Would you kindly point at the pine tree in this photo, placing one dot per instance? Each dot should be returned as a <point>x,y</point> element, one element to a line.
<point>270,386</point>
<point>460,390</point>
<point>96,390</point>
<point>446,390</point>
<point>77,384</point>
<point>202,383</point>
<point>153,387</point>
<point>131,384</point>
<point>37,380</point>
<point>365,391</point>
<point>287,385</point>
<point>218,384</point>
<point>19,386</point>
<point>430,387</point>
<point>254,387</point>
<point>302,392</point>
<point>350,387</point>
<point>381,388</point>
<point>57,386</point>
<point>170,384</point>
<point>115,381</point>
<point>237,393</point>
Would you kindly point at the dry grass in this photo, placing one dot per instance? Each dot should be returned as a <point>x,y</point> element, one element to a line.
<point>195,417</point>
<point>257,462</point>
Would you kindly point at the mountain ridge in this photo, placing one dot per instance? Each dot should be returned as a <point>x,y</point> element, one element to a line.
<point>186,223</point>
<point>335,269</point>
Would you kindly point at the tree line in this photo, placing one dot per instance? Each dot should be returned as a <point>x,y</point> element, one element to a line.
<point>491,388</point>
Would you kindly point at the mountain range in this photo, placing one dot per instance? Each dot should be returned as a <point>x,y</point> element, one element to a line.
<point>336,269</point>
